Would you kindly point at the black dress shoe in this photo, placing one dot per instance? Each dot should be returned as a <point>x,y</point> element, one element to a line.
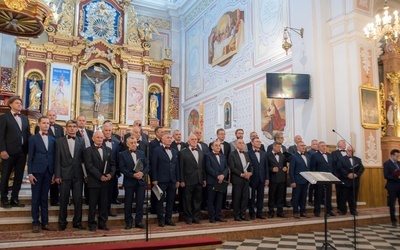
<point>35,229</point>
<point>112,215</point>
<point>394,223</point>
<point>105,228</point>
<point>317,215</point>
<point>5,204</point>
<point>282,215</point>
<point>196,221</point>
<point>243,218</point>
<point>288,204</point>
<point>225,208</point>
<point>270,215</point>
<point>354,213</point>
<point>331,213</point>
<point>79,227</point>
<point>61,228</point>
<point>237,219</point>
<point>128,226</point>
<point>16,203</point>
<point>211,220</point>
<point>189,222</point>
<point>92,229</point>
<point>170,223</point>
<point>54,204</point>
<point>311,203</point>
<point>161,224</point>
<point>221,220</point>
<point>48,228</point>
<point>139,225</point>
<point>252,217</point>
<point>117,202</point>
<point>261,217</point>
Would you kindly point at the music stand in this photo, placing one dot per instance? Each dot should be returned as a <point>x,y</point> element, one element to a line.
<point>323,178</point>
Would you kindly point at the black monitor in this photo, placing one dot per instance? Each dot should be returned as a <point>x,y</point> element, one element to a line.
<point>288,86</point>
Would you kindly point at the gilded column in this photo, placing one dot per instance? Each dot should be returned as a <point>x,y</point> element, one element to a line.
<point>123,96</point>
<point>48,83</point>
<point>73,98</point>
<point>393,96</point>
<point>167,97</point>
<point>146,111</point>
<point>21,71</point>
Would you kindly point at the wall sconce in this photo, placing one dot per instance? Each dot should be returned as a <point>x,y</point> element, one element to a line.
<point>287,41</point>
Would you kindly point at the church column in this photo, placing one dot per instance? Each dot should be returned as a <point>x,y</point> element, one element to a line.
<point>21,71</point>
<point>167,97</point>
<point>123,96</point>
<point>146,111</point>
<point>48,83</point>
<point>73,98</point>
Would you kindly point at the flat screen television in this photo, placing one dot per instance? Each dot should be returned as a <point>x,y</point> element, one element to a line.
<point>288,86</point>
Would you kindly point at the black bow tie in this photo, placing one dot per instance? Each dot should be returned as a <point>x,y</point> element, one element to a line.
<point>257,151</point>
<point>132,151</point>
<point>167,148</point>
<point>342,150</point>
<point>51,123</point>
<point>178,143</point>
<point>276,153</point>
<point>70,137</point>
<point>98,147</point>
<point>17,114</point>
<point>302,154</point>
<point>107,140</point>
<point>216,154</point>
<point>44,133</point>
<point>193,149</point>
<point>241,151</point>
<point>138,141</point>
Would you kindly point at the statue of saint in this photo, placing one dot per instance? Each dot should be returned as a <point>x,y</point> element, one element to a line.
<point>153,105</point>
<point>35,94</point>
<point>97,89</point>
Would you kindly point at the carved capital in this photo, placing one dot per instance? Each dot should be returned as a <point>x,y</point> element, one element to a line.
<point>22,60</point>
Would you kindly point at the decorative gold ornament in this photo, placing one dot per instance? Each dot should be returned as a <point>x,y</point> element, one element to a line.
<point>17,5</point>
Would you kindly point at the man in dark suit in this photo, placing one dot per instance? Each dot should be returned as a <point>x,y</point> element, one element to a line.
<point>14,137</point>
<point>69,174</point>
<point>239,133</point>
<point>84,133</point>
<point>225,149</point>
<point>114,144</point>
<point>216,171</point>
<point>278,137</point>
<point>311,188</point>
<point>133,164</point>
<point>178,144</point>
<point>345,168</point>
<point>142,145</point>
<point>299,162</point>
<point>155,143</point>
<point>41,169</point>
<point>392,182</point>
<point>322,162</point>
<point>293,149</point>
<point>259,180</point>
<point>192,179</point>
<point>241,169</point>
<point>203,147</point>
<point>337,155</point>
<point>109,122</point>
<point>56,131</point>
<point>100,169</point>
<point>250,144</point>
<point>143,136</point>
<point>277,180</point>
<point>165,174</point>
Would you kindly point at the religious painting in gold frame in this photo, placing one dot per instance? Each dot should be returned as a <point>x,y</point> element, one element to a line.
<point>369,105</point>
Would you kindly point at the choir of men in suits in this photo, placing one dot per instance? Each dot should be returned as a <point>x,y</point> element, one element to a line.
<point>252,136</point>
<point>56,131</point>
<point>239,133</point>
<point>134,167</point>
<point>112,143</point>
<point>14,137</point>
<point>216,170</point>
<point>241,169</point>
<point>337,155</point>
<point>192,180</point>
<point>165,174</point>
<point>41,169</point>
<point>277,180</point>
<point>322,162</point>
<point>311,188</point>
<point>392,182</point>
<point>69,175</point>
<point>293,149</point>
<point>349,169</point>
<point>101,169</point>
<point>259,180</point>
<point>299,162</point>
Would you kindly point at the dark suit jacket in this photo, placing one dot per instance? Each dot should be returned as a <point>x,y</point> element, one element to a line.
<point>269,149</point>
<point>292,149</point>
<point>116,147</point>
<point>297,165</point>
<point>88,132</point>
<point>58,131</point>
<point>392,182</point>
<point>175,146</point>
<point>260,169</point>
<point>311,152</point>
<point>66,167</point>
<point>41,159</point>
<point>144,136</point>
<point>344,168</point>
<point>280,176</point>
<point>204,147</point>
<point>227,149</point>
<point>236,167</point>
<point>336,156</point>
<point>318,163</point>
<point>126,165</point>
<point>250,146</point>
<point>95,166</point>
<point>155,143</point>
<point>162,168</point>
<point>10,134</point>
<point>191,171</point>
<point>213,168</point>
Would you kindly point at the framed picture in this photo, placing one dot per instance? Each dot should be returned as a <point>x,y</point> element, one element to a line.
<point>369,98</point>
<point>60,94</point>
<point>227,115</point>
<point>135,97</point>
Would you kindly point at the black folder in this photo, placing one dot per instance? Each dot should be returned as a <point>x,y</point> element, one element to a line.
<point>396,173</point>
<point>221,187</point>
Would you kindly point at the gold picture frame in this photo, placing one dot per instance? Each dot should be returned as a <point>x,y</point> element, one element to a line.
<point>369,107</point>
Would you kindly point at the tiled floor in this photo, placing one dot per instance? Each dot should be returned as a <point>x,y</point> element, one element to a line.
<point>380,237</point>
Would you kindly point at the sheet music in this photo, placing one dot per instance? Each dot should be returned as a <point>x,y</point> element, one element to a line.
<point>105,168</point>
<point>138,167</point>
<point>84,170</point>
<point>157,191</point>
<point>320,177</point>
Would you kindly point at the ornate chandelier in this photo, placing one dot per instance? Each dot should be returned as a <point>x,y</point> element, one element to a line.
<point>386,27</point>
